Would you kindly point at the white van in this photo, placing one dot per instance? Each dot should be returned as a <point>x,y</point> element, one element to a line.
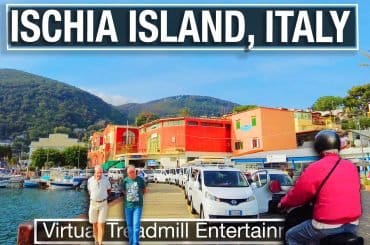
<point>222,192</point>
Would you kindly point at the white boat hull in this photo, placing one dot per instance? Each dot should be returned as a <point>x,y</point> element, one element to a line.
<point>61,185</point>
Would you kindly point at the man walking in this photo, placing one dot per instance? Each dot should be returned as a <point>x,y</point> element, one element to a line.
<point>133,188</point>
<point>98,187</point>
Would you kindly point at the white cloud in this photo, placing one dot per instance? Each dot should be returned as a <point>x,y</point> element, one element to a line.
<point>111,98</point>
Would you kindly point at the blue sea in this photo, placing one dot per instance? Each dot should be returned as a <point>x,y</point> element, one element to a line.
<point>21,205</point>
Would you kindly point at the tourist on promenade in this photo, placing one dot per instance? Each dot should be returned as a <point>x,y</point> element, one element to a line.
<point>337,206</point>
<point>133,188</point>
<point>99,188</point>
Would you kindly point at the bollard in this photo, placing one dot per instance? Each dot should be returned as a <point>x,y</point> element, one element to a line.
<point>25,234</point>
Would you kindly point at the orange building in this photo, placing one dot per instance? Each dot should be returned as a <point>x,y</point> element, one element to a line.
<point>113,141</point>
<point>262,129</point>
<point>96,154</point>
<point>172,142</point>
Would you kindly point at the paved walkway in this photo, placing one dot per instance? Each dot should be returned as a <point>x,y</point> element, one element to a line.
<point>160,201</point>
<point>364,228</point>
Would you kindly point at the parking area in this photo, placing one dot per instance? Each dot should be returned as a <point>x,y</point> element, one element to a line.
<point>167,201</point>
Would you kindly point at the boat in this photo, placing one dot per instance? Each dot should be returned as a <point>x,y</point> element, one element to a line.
<point>64,184</point>
<point>80,177</point>
<point>31,183</point>
<point>15,181</point>
<point>10,180</point>
<point>3,183</point>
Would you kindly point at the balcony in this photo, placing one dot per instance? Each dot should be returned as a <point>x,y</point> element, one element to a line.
<point>122,148</point>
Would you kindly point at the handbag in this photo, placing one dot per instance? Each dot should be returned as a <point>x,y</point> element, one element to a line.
<point>302,213</point>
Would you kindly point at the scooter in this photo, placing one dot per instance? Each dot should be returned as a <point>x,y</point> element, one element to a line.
<point>295,216</point>
<point>345,238</point>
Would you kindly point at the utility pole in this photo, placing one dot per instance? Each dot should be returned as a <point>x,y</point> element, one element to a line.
<point>126,136</point>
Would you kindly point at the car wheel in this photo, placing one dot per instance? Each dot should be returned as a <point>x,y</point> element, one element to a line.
<point>193,211</point>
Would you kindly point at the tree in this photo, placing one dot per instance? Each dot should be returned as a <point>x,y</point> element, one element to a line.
<point>5,152</point>
<point>38,158</point>
<point>184,112</point>
<point>241,108</point>
<point>357,100</point>
<point>145,117</point>
<point>327,103</point>
<point>62,130</point>
<point>50,156</point>
<point>75,156</point>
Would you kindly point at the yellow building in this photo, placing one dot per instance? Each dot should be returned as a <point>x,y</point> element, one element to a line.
<point>302,121</point>
<point>55,141</point>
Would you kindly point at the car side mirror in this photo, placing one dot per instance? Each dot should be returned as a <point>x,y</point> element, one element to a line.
<point>274,186</point>
<point>254,185</point>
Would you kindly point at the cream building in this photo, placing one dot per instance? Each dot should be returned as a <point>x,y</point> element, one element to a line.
<point>55,141</point>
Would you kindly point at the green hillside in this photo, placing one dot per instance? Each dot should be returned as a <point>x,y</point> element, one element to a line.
<point>32,106</point>
<point>172,106</point>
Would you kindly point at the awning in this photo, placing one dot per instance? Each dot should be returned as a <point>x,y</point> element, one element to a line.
<point>113,163</point>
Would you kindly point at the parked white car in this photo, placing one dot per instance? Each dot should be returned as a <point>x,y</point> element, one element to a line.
<point>182,176</point>
<point>174,176</point>
<point>267,192</point>
<point>222,192</point>
<point>116,173</point>
<point>160,176</point>
<point>149,174</point>
<point>190,178</point>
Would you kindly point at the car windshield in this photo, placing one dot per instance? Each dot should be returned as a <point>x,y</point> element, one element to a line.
<point>283,179</point>
<point>148,171</point>
<point>224,179</point>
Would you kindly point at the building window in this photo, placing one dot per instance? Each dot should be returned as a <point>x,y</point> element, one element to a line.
<point>153,144</point>
<point>254,121</point>
<point>173,123</point>
<point>208,124</point>
<point>255,143</point>
<point>157,125</point>
<point>128,138</point>
<point>239,145</point>
<point>238,124</point>
<point>192,123</point>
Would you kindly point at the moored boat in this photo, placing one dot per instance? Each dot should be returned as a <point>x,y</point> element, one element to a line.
<point>64,184</point>
<point>31,183</point>
<point>3,183</point>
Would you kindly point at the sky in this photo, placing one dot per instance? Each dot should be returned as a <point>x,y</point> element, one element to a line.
<point>290,79</point>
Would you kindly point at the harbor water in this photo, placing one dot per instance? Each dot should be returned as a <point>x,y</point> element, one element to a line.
<point>22,205</point>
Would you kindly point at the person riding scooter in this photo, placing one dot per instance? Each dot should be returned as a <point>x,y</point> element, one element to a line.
<point>337,204</point>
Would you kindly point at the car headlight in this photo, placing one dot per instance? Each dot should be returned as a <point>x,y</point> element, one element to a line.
<point>251,198</point>
<point>211,197</point>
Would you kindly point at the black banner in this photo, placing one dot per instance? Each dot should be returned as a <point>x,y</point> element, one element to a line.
<point>187,27</point>
<point>163,231</point>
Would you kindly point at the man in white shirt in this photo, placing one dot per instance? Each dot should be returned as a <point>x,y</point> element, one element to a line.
<point>98,187</point>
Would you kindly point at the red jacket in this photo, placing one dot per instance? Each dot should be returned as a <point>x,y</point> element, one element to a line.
<point>339,201</point>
